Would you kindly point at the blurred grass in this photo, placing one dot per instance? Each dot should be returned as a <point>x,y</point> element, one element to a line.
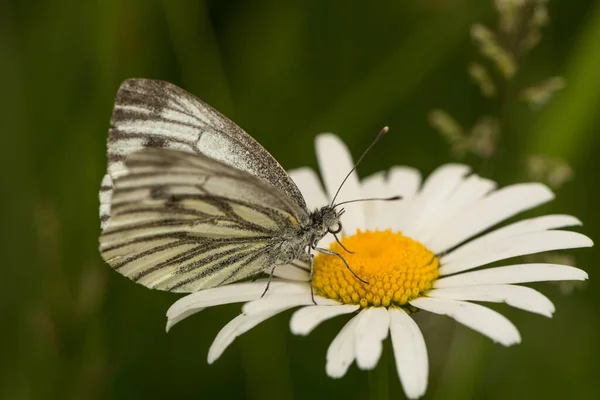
<point>284,71</point>
<point>567,126</point>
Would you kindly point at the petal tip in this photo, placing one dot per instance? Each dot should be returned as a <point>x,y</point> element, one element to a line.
<point>366,365</point>
<point>512,341</point>
<point>297,329</point>
<point>335,373</point>
<point>300,171</point>
<point>544,190</point>
<point>464,168</point>
<point>326,137</point>
<point>576,221</point>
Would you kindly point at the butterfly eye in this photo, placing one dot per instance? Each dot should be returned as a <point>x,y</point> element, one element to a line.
<point>337,229</point>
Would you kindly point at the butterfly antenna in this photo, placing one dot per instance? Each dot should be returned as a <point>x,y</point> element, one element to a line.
<point>379,136</point>
<point>338,255</point>
<point>369,199</point>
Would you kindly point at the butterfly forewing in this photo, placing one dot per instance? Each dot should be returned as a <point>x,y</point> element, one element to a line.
<point>157,114</point>
<point>184,222</point>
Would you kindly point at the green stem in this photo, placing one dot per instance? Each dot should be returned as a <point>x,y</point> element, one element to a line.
<point>379,379</point>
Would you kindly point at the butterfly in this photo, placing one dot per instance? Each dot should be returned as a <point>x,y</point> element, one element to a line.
<point>190,201</point>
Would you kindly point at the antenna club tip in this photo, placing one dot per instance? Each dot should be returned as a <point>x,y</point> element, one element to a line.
<point>382,132</point>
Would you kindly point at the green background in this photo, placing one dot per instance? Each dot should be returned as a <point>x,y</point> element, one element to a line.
<point>284,71</point>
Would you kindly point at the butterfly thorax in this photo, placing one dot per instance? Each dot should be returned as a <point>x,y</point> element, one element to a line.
<point>294,243</point>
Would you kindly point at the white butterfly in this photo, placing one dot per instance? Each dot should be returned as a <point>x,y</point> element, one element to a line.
<point>191,201</point>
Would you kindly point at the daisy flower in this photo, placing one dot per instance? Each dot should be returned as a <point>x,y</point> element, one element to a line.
<point>417,254</point>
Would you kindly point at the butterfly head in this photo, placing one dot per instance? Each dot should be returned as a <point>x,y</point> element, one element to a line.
<point>326,220</point>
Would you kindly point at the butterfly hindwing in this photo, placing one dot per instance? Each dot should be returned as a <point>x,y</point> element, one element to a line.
<point>184,222</point>
<point>157,114</point>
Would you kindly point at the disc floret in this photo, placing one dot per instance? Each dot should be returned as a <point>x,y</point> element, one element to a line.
<point>396,267</point>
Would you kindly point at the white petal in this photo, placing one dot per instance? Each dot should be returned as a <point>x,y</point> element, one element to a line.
<point>471,190</point>
<point>335,161</point>
<point>374,186</point>
<point>410,353</point>
<point>494,208</point>
<point>234,293</point>
<point>521,297</point>
<point>196,302</point>
<point>236,327</point>
<point>340,353</point>
<point>440,186</point>
<point>275,301</point>
<point>372,328</point>
<point>308,318</point>
<point>405,182</point>
<point>502,249</point>
<point>521,273</point>
<point>328,239</point>
<point>293,272</point>
<point>479,318</point>
<point>522,227</point>
<point>310,186</point>
<point>181,316</point>
<point>225,337</point>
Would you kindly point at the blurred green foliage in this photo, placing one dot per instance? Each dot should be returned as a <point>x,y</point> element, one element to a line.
<point>284,71</point>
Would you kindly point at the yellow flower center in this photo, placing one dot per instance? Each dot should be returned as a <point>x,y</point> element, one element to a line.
<point>397,269</point>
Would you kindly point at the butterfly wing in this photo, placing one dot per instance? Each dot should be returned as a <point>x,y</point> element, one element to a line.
<point>150,113</point>
<point>183,222</point>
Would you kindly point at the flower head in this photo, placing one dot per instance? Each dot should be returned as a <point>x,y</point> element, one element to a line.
<point>415,254</point>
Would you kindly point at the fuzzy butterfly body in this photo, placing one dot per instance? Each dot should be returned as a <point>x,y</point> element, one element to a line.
<point>190,201</point>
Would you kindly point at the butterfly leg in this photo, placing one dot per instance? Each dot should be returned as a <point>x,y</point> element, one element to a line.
<point>333,253</point>
<point>312,269</point>
<point>341,244</point>
<point>269,281</point>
